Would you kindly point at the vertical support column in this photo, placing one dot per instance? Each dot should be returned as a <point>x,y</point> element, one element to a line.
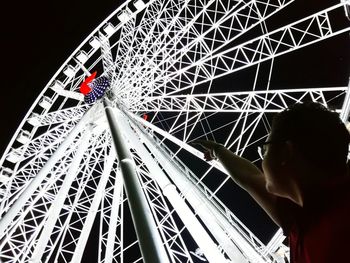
<point>194,227</point>
<point>345,112</point>
<point>346,8</point>
<point>150,243</point>
<point>112,230</point>
<point>223,231</point>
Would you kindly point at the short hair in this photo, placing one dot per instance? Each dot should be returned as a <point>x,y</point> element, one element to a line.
<point>319,134</point>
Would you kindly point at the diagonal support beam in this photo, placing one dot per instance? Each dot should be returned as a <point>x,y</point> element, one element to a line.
<point>56,207</point>
<point>172,138</point>
<point>35,183</point>
<point>276,43</point>
<point>269,101</point>
<point>79,250</point>
<point>69,114</point>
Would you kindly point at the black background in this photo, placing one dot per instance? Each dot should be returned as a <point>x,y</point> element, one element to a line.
<point>38,36</point>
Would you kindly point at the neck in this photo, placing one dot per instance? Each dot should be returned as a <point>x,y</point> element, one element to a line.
<point>310,183</point>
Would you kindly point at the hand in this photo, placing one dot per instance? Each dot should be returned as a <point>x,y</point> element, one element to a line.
<point>210,148</point>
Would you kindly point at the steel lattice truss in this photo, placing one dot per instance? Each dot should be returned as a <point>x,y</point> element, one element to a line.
<point>61,187</point>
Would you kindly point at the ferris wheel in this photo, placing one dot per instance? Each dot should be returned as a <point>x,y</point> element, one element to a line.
<point>102,164</point>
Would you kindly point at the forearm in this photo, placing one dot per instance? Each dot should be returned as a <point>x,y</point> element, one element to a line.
<point>245,174</point>
<point>251,179</point>
<point>242,171</point>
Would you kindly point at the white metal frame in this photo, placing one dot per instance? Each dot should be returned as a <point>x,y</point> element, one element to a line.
<point>163,61</point>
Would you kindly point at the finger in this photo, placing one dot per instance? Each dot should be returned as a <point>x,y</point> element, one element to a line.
<point>198,142</point>
<point>208,156</point>
<point>204,143</point>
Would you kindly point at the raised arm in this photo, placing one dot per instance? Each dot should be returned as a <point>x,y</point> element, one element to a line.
<point>246,175</point>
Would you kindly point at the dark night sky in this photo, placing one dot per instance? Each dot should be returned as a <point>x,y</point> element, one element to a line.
<point>38,36</point>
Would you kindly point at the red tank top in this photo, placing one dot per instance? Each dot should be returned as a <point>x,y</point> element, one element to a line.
<point>320,231</point>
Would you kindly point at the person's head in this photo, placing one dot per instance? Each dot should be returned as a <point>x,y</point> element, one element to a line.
<point>305,138</point>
